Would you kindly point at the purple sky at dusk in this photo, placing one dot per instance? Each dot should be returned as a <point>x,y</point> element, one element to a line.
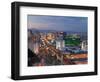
<point>60,23</point>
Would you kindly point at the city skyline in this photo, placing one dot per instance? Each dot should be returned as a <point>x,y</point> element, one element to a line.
<point>57,40</point>
<point>58,23</point>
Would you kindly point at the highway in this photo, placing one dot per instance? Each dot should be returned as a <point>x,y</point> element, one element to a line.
<point>48,48</point>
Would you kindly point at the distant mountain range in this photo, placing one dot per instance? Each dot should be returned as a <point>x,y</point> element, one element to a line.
<point>38,30</point>
<point>83,35</point>
<point>69,32</point>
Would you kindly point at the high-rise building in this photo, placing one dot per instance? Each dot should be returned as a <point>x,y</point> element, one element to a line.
<point>60,44</point>
<point>84,45</point>
<point>33,41</point>
<point>36,48</point>
<point>29,34</point>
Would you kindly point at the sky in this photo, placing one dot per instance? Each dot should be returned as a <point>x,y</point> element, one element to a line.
<point>58,23</point>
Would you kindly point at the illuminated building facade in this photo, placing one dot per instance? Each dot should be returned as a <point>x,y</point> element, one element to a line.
<point>84,45</point>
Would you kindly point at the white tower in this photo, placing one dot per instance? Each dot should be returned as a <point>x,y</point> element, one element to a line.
<point>60,44</point>
<point>84,45</point>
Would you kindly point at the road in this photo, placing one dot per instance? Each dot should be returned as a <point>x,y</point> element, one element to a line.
<point>48,48</point>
